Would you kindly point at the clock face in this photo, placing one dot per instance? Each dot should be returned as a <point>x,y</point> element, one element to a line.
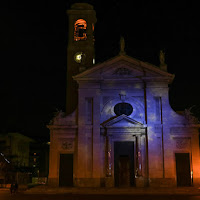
<point>79,57</point>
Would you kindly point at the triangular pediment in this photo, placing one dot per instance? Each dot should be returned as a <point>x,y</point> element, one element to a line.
<point>121,121</point>
<point>123,67</point>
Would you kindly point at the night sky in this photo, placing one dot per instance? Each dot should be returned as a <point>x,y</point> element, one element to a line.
<point>33,43</point>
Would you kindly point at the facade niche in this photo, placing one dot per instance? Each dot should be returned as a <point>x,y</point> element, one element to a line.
<point>89,110</point>
<point>158,108</point>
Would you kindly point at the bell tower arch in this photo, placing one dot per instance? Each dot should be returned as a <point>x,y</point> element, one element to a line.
<point>80,49</point>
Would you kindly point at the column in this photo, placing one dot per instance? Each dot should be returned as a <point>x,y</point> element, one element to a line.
<point>108,157</point>
<point>143,153</point>
<point>140,161</point>
<point>138,156</point>
<point>96,138</point>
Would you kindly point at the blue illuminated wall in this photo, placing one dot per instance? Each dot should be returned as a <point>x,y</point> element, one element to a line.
<point>92,130</point>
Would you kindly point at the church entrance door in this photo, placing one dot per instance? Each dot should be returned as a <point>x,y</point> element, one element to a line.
<point>66,170</point>
<point>183,169</point>
<point>124,164</point>
<point>124,171</point>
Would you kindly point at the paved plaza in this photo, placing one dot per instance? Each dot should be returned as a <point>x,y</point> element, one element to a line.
<point>5,195</point>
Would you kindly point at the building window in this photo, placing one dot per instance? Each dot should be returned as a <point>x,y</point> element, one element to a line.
<point>123,108</point>
<point>80,30</point>
<point>89,110</point>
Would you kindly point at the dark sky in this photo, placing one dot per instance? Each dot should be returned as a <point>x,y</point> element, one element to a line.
<point>33,42</point>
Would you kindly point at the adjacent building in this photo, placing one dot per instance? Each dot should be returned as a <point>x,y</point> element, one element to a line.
<point>14,150</point>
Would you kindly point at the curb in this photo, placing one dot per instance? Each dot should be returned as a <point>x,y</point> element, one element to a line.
<point>4,189</point>
<point>153,191</point>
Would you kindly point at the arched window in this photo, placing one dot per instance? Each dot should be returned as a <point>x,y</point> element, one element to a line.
<point>80,30</point>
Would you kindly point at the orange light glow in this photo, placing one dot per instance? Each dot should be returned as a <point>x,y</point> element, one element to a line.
<point>80,30</point>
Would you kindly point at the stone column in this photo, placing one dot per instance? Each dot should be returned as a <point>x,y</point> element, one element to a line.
<point>109,180</point>
<point>82,143</point>
<point>143,153</point>
<point>140,181</point>
<point>108,157</point>
<point>139,155</point>
<point>96,140</point>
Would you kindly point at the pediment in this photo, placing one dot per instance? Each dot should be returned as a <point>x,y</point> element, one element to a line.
<point>121,121</point>
<point>123,67</point>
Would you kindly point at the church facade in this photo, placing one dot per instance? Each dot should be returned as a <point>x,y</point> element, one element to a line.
<point>119,128</point>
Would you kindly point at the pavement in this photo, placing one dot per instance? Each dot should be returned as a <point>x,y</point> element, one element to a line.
<point>130,191</point>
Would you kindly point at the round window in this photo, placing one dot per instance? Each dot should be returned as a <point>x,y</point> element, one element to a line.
<point>123,108</point>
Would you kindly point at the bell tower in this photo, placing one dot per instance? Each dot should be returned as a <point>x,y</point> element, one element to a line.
<point>80,50</point>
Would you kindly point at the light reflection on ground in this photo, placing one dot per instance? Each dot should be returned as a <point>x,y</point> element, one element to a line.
<point>5,195</point>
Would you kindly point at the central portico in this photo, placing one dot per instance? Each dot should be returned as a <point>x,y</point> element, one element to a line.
<point>125,152</point>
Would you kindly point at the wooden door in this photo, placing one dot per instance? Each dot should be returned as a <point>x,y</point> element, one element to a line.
<point>124,171</point>
<point>66,170</point>
<point>124,164</point>
<point>183,169</point>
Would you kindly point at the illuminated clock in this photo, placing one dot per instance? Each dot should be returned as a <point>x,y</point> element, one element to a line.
<point>79,57</point>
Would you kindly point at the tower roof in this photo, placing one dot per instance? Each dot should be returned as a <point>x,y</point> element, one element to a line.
<point>82,6</point>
